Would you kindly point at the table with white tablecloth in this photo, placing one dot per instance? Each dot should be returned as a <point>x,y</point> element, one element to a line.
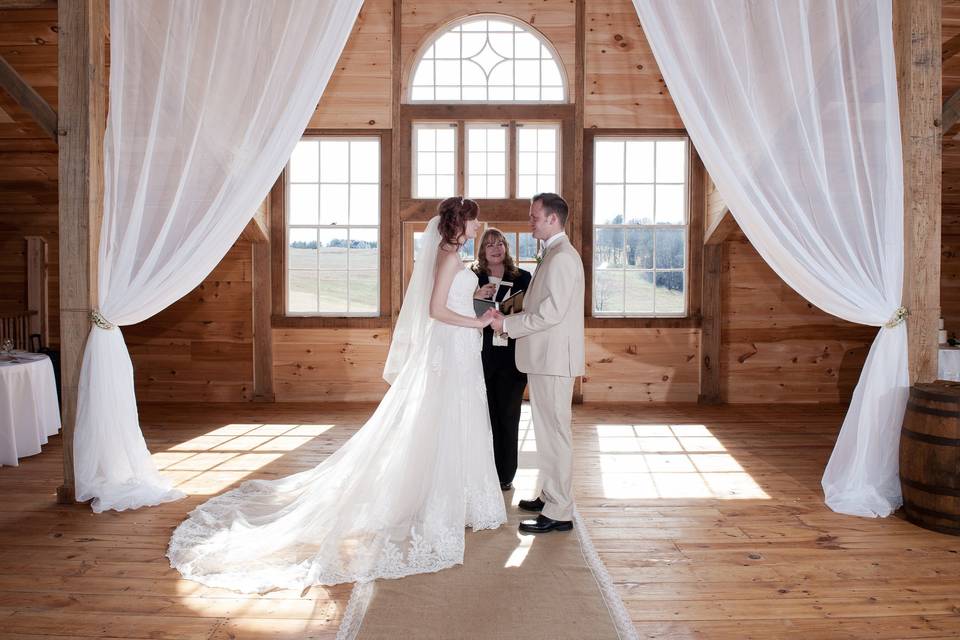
<point>29,411</point>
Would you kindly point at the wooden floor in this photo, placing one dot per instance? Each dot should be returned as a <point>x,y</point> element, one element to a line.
<point>710,521</point>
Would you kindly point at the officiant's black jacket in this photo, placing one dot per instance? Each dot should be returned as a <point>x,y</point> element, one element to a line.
<point>501,359</point>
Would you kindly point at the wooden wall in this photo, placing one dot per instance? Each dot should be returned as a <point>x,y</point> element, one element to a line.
<point>776,347</point>
<point>201,347</point>
<point>950,199</point>
<point>28,160</point>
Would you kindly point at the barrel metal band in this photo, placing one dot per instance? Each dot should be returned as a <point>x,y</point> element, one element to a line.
<point>933,411</point>
<point>931,439</point>
<point>908,504</point>
<point>929,488</point>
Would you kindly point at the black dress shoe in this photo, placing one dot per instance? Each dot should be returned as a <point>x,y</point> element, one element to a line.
<point>543,524</point>
<point>506,486</point>
<point>536,506</point>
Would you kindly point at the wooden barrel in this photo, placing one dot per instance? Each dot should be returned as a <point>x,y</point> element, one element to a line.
<point>930,456</point>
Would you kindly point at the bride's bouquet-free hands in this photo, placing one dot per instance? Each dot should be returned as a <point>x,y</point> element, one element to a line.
<point>489,317</point>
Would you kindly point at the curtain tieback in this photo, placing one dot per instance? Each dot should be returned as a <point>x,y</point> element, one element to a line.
<point>898,316</point>
<point>97,318</point>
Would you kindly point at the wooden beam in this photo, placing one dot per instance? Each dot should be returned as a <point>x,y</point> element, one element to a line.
<point>37,283</point>
<point>28,99</point>
<point>950,48</point>
<point>951,112</point>
<point>710,328</point>
<point>916,26</point>
<point>262,328</point>
<point>721,228</point>
<point>82,95</point>
<point>400,133</point>
<point>576,189</point>
<point>257,230</point>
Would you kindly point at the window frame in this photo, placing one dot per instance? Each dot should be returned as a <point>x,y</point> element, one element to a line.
<point>694,238</point>
<point>279,231</point>
<point>407,93</point>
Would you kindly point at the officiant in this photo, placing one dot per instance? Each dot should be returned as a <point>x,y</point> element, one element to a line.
<point>500,278</point>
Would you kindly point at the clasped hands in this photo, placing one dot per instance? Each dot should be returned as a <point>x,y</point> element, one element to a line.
<point>493,318</point>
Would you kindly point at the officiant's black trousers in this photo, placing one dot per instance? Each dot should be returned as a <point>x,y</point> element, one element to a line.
<point>504,397</point>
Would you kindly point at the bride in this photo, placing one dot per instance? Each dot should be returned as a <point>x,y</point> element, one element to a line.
<point>394,500</point>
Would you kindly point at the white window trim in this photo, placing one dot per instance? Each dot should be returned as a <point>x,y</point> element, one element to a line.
<point>686,226</point>
<point>556,160</point>
<point>429,42</point>
<point>415,172</point>
<point>477,124</point>
<point>288,226</point>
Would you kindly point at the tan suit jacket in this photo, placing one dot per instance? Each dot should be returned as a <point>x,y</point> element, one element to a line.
<point>549,331</point>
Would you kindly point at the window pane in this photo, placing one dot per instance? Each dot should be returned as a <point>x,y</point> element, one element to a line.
<point>426,139</point>
<point>476,139</point>
<point>638,203</point>
<point>445,186</point>
<point>670,248</point>
<point>671,161</point>
<point>333,292</point>
<point>333,203</point>
<point>364,204</point>
<point>467,250</point>
<point>324,257</point>
<point>302,250</point>
<point>305,162</point>
<point>608,205</point>
<point>333,156</point>
<point>608,161</point>
<point>477,163</point>
<point>364,249</point>
<point>640,160</point>
<point>426,186</point>
<point>445,139</point>
<point>476,187</point>
<point>528,246</point>
<point>364,293</point>
<point>670,298</point>
<point>608,248</point>
<point>670,204</point>
<point>364,161</point>
<point>304,203</point>
<point>639,292</point>
<point>332,248</point>
<point>608,291</point>
<point>302,291</point>
<point>639,248</point>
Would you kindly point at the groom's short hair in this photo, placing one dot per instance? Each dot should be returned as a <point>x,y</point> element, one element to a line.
<point>553,203</point>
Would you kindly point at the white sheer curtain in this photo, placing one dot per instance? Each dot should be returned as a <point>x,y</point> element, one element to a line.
<point>793,108</point>
<point>207,100</point>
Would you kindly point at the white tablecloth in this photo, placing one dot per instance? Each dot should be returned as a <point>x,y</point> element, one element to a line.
<point>29,411</point>
<point>949,366</point>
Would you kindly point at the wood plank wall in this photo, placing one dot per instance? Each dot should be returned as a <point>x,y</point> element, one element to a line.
<point>776,348</point>
<point>950,197</point>
<point>28,160</point>
<point>201,347</point>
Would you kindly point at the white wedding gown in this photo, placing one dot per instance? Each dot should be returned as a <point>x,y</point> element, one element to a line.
<point>391,502</point>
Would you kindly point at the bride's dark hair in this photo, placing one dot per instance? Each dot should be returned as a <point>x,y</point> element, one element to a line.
<point>454,213</point>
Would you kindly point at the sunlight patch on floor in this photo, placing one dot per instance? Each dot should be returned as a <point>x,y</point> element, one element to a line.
<point>660,461</point>
<point>208,464</point>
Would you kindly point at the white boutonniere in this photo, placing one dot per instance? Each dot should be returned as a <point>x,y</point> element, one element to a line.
<point>539,257</point>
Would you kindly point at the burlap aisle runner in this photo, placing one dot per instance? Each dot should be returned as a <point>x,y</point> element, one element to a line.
<point>510,586</point>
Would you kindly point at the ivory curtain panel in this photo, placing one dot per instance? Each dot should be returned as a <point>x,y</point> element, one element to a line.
<point>207,100</point>
<point>793,107</point>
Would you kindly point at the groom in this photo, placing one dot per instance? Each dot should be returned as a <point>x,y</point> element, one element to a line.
<point>549,334</point>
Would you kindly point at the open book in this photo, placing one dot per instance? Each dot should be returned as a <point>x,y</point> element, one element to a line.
<point>510,304</point>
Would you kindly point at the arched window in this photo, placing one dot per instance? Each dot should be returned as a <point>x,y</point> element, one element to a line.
<point>488,59</point>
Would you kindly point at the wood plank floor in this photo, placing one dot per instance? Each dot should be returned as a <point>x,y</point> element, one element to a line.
<point>710,520</point>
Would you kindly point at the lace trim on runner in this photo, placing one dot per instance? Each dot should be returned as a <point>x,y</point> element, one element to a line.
<point>608,591</point>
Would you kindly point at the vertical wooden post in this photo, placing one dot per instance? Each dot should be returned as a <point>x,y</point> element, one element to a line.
<point>396,225</point>
<point>916,33</point>
<point>710,333</point>
<point>37,282</point>
<point>262,329</point>
<point>82,116</point>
